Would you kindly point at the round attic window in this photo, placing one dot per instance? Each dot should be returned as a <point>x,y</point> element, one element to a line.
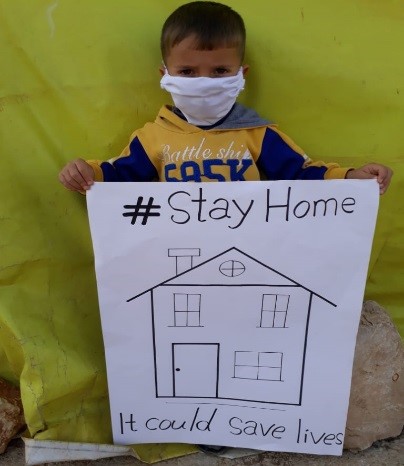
<point>232,268</point>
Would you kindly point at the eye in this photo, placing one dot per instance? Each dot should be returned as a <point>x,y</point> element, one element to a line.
<point>185,72</point>
<point>221,71</point>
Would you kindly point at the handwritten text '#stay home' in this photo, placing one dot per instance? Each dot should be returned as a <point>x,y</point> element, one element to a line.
<point>186,207</point>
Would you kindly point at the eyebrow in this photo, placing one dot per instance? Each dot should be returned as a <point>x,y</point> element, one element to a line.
<point>221,65</point>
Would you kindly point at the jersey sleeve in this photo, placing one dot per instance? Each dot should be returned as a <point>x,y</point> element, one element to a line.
<point>133,164</point>
<point>282,159</point>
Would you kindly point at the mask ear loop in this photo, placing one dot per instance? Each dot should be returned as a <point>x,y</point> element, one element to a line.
<point>165,67</point>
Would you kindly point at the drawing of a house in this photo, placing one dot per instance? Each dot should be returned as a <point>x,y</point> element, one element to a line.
<point>230,328</point>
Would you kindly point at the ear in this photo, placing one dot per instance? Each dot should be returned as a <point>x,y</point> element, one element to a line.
<point>162,70</point>
<point>245,69</point>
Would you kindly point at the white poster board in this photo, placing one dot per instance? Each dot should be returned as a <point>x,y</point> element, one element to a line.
<point>230,310</point>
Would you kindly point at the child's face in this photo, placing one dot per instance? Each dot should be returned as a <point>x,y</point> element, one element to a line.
<point>185,60</point>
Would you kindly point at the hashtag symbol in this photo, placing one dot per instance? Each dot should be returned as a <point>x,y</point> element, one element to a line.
<point>142,210</point>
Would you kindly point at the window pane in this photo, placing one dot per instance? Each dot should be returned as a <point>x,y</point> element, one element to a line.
<point>193,319</point>
<point>280,319</point>
<point>194,301</point>
<point>246,358</point>
<point>268,302</point>
<point>180,302</point>
<point>180,319</point>
<point>246,372</point>
<point>269,373</point>
<point>282,302</point>
<point>270,359</point>
<point>267,319</point>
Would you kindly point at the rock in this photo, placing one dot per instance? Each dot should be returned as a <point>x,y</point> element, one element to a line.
<point>376,405</point>
<point>11,413</point>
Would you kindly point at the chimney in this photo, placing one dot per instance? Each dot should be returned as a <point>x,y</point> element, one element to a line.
<point>183,258</point>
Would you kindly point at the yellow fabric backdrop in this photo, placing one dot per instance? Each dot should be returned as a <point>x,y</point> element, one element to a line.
<point>77,76</point>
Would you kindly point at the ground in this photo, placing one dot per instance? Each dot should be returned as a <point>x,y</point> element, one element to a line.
<point>382,453</point>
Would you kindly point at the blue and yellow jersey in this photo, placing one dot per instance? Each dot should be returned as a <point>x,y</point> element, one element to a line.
<point>243,147</point>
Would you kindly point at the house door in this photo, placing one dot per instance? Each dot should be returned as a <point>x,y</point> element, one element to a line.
<point>195,369</point>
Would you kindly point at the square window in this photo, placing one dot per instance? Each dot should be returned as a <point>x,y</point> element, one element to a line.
<point>270,359</point>
<point>246,372</point>
<point>246,358</point>
<point>269,373</point>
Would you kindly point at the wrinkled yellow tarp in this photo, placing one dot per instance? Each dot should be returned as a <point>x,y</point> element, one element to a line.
<point>77,77</point>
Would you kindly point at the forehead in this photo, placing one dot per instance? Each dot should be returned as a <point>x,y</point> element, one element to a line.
<point>188,53</point>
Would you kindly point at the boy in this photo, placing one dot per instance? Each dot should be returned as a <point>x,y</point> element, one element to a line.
<point>207,136</point>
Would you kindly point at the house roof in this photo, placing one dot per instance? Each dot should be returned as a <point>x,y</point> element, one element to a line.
<point>232,267</point>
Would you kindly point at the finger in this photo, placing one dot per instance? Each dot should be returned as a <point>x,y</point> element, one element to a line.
<point>75,178</point>
<point>366,176</point>
<point>86,172</point>
<point>382,174</point>
<point>70,184</point>
<point>385,178</point>
<point>384,185</point>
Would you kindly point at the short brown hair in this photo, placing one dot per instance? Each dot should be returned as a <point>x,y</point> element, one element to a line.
<point>212,23</point>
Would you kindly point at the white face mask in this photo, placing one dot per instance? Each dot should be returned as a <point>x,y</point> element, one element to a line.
<point>203,101</point>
